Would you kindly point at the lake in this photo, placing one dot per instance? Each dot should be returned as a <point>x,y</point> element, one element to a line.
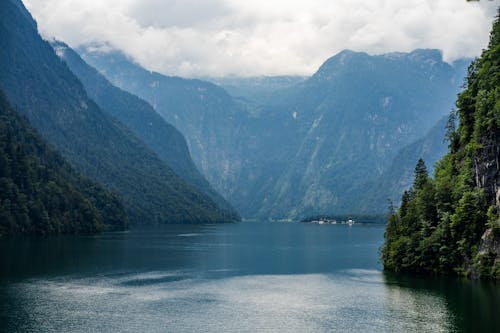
<point>245,277</point>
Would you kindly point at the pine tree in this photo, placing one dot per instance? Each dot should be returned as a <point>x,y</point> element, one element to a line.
<point>421,175</point>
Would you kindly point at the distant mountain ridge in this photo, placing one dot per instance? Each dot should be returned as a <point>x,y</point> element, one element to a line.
<point>319,145</point>
<point>398,177</point>
<point>42,87</point>
<point>355,113</point>
<point>258,90</point>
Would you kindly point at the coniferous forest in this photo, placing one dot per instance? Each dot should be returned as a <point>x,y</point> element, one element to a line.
<point>40,193</point>
<point>449,224</point>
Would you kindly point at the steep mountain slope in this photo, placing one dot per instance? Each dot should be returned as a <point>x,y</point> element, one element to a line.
<point>42,87</point>
<point>209,118</point>
<point>233,147</point>
<point>319,145</point>
<point>451,224</point>
<point>353,116</point>
<point>165,140</point>
<point>398,177</point>
<point>40,193</point>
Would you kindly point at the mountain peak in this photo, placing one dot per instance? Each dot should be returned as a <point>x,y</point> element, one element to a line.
<point>426,55</point>
<point>345,55</point>
<point>353,60</point>
<point>343,59</point>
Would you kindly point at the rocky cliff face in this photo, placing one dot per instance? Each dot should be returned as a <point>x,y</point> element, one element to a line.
<point>487,177</point>
<point>490,244</point>
<point>487,167</point>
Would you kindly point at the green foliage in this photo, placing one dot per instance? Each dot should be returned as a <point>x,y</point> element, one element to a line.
<point>421,175</point>
<point>439,225</point>
<point>40,193</point>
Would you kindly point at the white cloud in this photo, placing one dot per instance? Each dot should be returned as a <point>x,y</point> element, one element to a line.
<point>264,37</point>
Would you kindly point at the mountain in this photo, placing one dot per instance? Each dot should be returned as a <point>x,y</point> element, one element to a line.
<point>352,117</point>
<point>259,90</point>
<point>398,177</point>
<point>213,123</point>
<point>40,193</point>
<point>319,145</point>
<point>230,141</point>
<point>164,139</point>
<point>42,87</point>
<point>450,224</point>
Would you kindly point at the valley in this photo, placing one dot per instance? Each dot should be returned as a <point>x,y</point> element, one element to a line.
<point>235,166</point>
<point>334,134</point>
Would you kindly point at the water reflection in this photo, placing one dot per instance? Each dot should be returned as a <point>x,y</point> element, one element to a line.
<point>424,311</point>
<point>472,306</point>
<point>350,301</point>
<point>244,277</point>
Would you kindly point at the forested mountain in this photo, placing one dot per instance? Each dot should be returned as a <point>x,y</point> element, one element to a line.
<point>164,139</point>
<point>450,224</point>
<point>42,87</point>
<point>319,145</point>
<point>40,193</point>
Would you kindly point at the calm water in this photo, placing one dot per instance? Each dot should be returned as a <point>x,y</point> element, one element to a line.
<point>246,277</point>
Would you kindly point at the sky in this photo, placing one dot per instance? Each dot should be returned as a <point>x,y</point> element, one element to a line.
<point>198,38</point>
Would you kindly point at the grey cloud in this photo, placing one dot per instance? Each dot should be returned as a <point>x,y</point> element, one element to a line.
<point>263,37</point>
<point>175,13</point>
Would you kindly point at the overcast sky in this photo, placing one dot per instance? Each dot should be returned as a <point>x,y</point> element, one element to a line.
<point>264,37</point>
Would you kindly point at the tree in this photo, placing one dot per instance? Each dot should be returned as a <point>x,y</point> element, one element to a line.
<point>421,175</point>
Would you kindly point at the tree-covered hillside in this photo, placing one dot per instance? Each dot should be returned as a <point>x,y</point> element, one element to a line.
<point>449,224</point>
<point>55,102</point>
<point>40,193</point>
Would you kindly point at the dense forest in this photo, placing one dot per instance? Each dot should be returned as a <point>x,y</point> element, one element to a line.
<point>449,224</point>
<point>40,193</point>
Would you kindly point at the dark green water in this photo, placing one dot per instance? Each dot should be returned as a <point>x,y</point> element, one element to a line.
<point>247,277</point>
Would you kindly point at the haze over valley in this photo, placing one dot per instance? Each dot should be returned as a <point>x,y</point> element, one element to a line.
<point>225,165</point>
